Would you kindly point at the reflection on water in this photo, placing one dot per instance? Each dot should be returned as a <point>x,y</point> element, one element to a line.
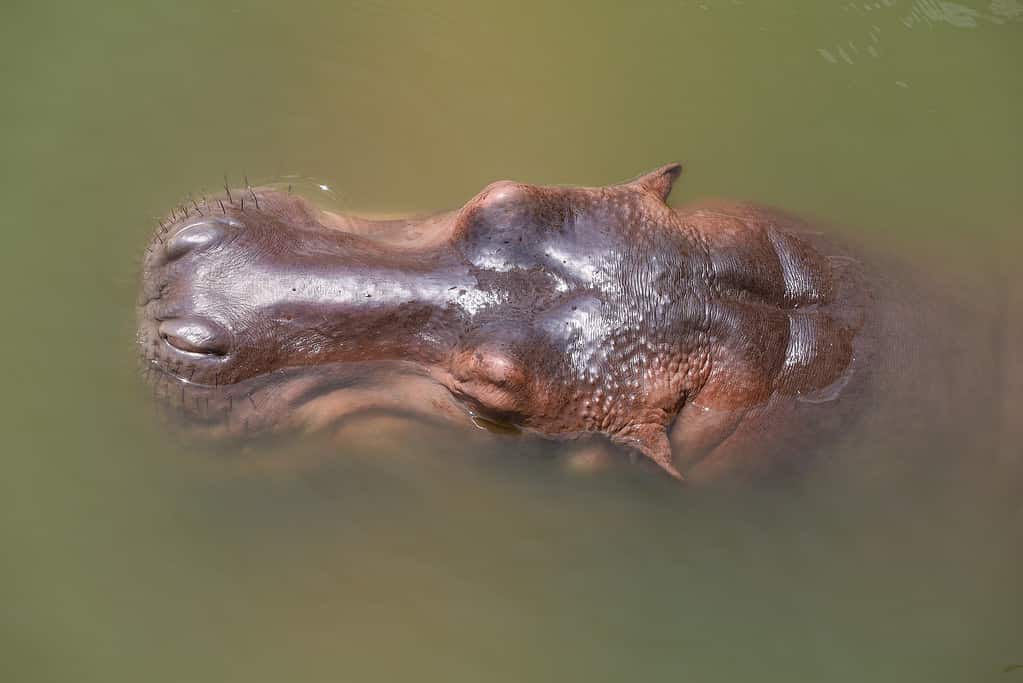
<point>887,17</point>
<point>133,555</point>
<point>962,16</point>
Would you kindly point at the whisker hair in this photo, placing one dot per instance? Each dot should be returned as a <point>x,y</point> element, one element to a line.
<point>249,187</point>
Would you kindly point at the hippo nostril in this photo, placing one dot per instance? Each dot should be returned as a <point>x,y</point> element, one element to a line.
<point>201,234</point>
<point>195,336</point>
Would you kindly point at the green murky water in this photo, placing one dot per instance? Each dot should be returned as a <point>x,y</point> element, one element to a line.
<point>129,557</point>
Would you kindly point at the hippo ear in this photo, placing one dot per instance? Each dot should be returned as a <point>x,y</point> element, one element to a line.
<point>652,441</point>
<point>659,181</point>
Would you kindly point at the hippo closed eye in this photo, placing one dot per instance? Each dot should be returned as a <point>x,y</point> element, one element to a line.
<point>709,338</point>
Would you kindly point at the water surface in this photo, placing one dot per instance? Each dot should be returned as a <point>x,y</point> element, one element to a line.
<point>130,555</point>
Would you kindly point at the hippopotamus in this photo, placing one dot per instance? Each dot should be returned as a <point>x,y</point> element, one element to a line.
<point>715,339</point>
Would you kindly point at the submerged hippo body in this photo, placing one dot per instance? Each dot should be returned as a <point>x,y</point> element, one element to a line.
<point>715,340</point>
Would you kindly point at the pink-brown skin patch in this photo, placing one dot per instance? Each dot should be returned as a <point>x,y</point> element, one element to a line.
<point>719,341</point>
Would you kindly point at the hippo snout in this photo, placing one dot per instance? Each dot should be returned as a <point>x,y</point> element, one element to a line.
<point>185,324</point>
<point>182,330</point>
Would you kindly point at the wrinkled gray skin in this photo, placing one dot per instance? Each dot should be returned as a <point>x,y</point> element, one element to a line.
<point>716,340</point>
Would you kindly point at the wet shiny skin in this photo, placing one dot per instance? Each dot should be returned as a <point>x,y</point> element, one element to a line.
<point>708,337</point>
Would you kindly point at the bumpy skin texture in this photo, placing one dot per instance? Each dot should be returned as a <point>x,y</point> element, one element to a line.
<point>718,339</point>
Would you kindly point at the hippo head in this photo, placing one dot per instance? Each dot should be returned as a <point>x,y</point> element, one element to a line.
<point>559,310</point>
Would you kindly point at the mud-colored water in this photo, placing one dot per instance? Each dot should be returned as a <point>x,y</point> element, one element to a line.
<point>131,556</point>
